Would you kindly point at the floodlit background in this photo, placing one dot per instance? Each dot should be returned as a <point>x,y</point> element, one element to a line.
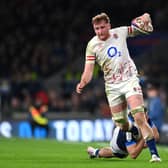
<point>42,53</point>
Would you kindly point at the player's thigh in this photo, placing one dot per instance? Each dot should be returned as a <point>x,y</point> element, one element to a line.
<point>134,93</point>
<point>117,103</point>
<point>122,106</point>
<point>135,101</point>
<point>119,111</point>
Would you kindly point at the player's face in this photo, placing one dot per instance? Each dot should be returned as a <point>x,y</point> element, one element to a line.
<point>102,30</point>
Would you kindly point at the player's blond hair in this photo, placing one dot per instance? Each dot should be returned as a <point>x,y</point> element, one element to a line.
<point>102,16</point>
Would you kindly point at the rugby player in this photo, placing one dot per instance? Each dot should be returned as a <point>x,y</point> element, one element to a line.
<point>109,49</point>
<point>123,144</point>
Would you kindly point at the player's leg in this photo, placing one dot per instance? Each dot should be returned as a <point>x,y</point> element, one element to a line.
<point>119,115</point>
<point>118,108</point>
<point>136,105</point>
<point>105,152</point>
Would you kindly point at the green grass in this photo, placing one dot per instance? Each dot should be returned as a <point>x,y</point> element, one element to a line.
<point>31,153</point>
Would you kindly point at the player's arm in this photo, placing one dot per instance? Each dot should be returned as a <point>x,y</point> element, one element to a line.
<point>154,129</point>
<point>155,133</point>
<point>86,77</point>
<point>135,148</point>
<point>88,69</point>
<point>140,25</point>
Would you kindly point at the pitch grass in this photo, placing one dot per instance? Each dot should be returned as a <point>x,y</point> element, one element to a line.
<point>33,153</point>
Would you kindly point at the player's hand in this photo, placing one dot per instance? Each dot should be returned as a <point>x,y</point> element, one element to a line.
<point>145,145</point>
<point>79,88</point>
<point>147,22</point>
<point>143,23</point>
<point>146,17</point>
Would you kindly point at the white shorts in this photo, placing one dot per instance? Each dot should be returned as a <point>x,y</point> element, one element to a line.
<point>119,92</point>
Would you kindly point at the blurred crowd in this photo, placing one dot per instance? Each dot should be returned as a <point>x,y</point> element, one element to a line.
<point>41,38</point>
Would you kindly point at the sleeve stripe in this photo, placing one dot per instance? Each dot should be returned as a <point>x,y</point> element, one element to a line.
<point>90,58</point>
<point>130,30</point>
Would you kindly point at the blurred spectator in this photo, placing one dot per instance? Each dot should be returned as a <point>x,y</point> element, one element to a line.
<point>155,106</point>
<point>41,96</point>
<point>75,102</point>
<point>104,109</point>
<point>57,103</point>
<point>5,90</point>
<point>38,118</point>
<point>40,39</point>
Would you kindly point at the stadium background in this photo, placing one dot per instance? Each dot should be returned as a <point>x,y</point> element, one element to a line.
<point>42,49</point>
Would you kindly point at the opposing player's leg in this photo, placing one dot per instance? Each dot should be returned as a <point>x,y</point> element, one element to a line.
<point>105,152</point>
<point>136,105</point>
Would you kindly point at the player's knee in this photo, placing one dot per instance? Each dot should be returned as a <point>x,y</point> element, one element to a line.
<point>120,120</point>
<point>122,123</point>
<point>124,126</point>
<point>138,113</point>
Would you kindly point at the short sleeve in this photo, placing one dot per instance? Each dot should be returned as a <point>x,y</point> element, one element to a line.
<point>123,30</point>
<point>90,55</point>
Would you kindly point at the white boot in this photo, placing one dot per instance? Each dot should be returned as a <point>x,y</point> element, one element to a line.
<point>155,158</point>
<point>92,152</point>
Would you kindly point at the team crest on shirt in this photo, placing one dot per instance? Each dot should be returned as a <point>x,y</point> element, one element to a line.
<point>115,36</point>
<point>137,89</point>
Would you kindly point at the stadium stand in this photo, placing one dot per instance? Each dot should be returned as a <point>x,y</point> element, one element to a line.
<point>43,42</point>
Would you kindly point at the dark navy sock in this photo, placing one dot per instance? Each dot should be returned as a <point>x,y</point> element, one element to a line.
<point>97,153</point>
<point>152,146</point>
